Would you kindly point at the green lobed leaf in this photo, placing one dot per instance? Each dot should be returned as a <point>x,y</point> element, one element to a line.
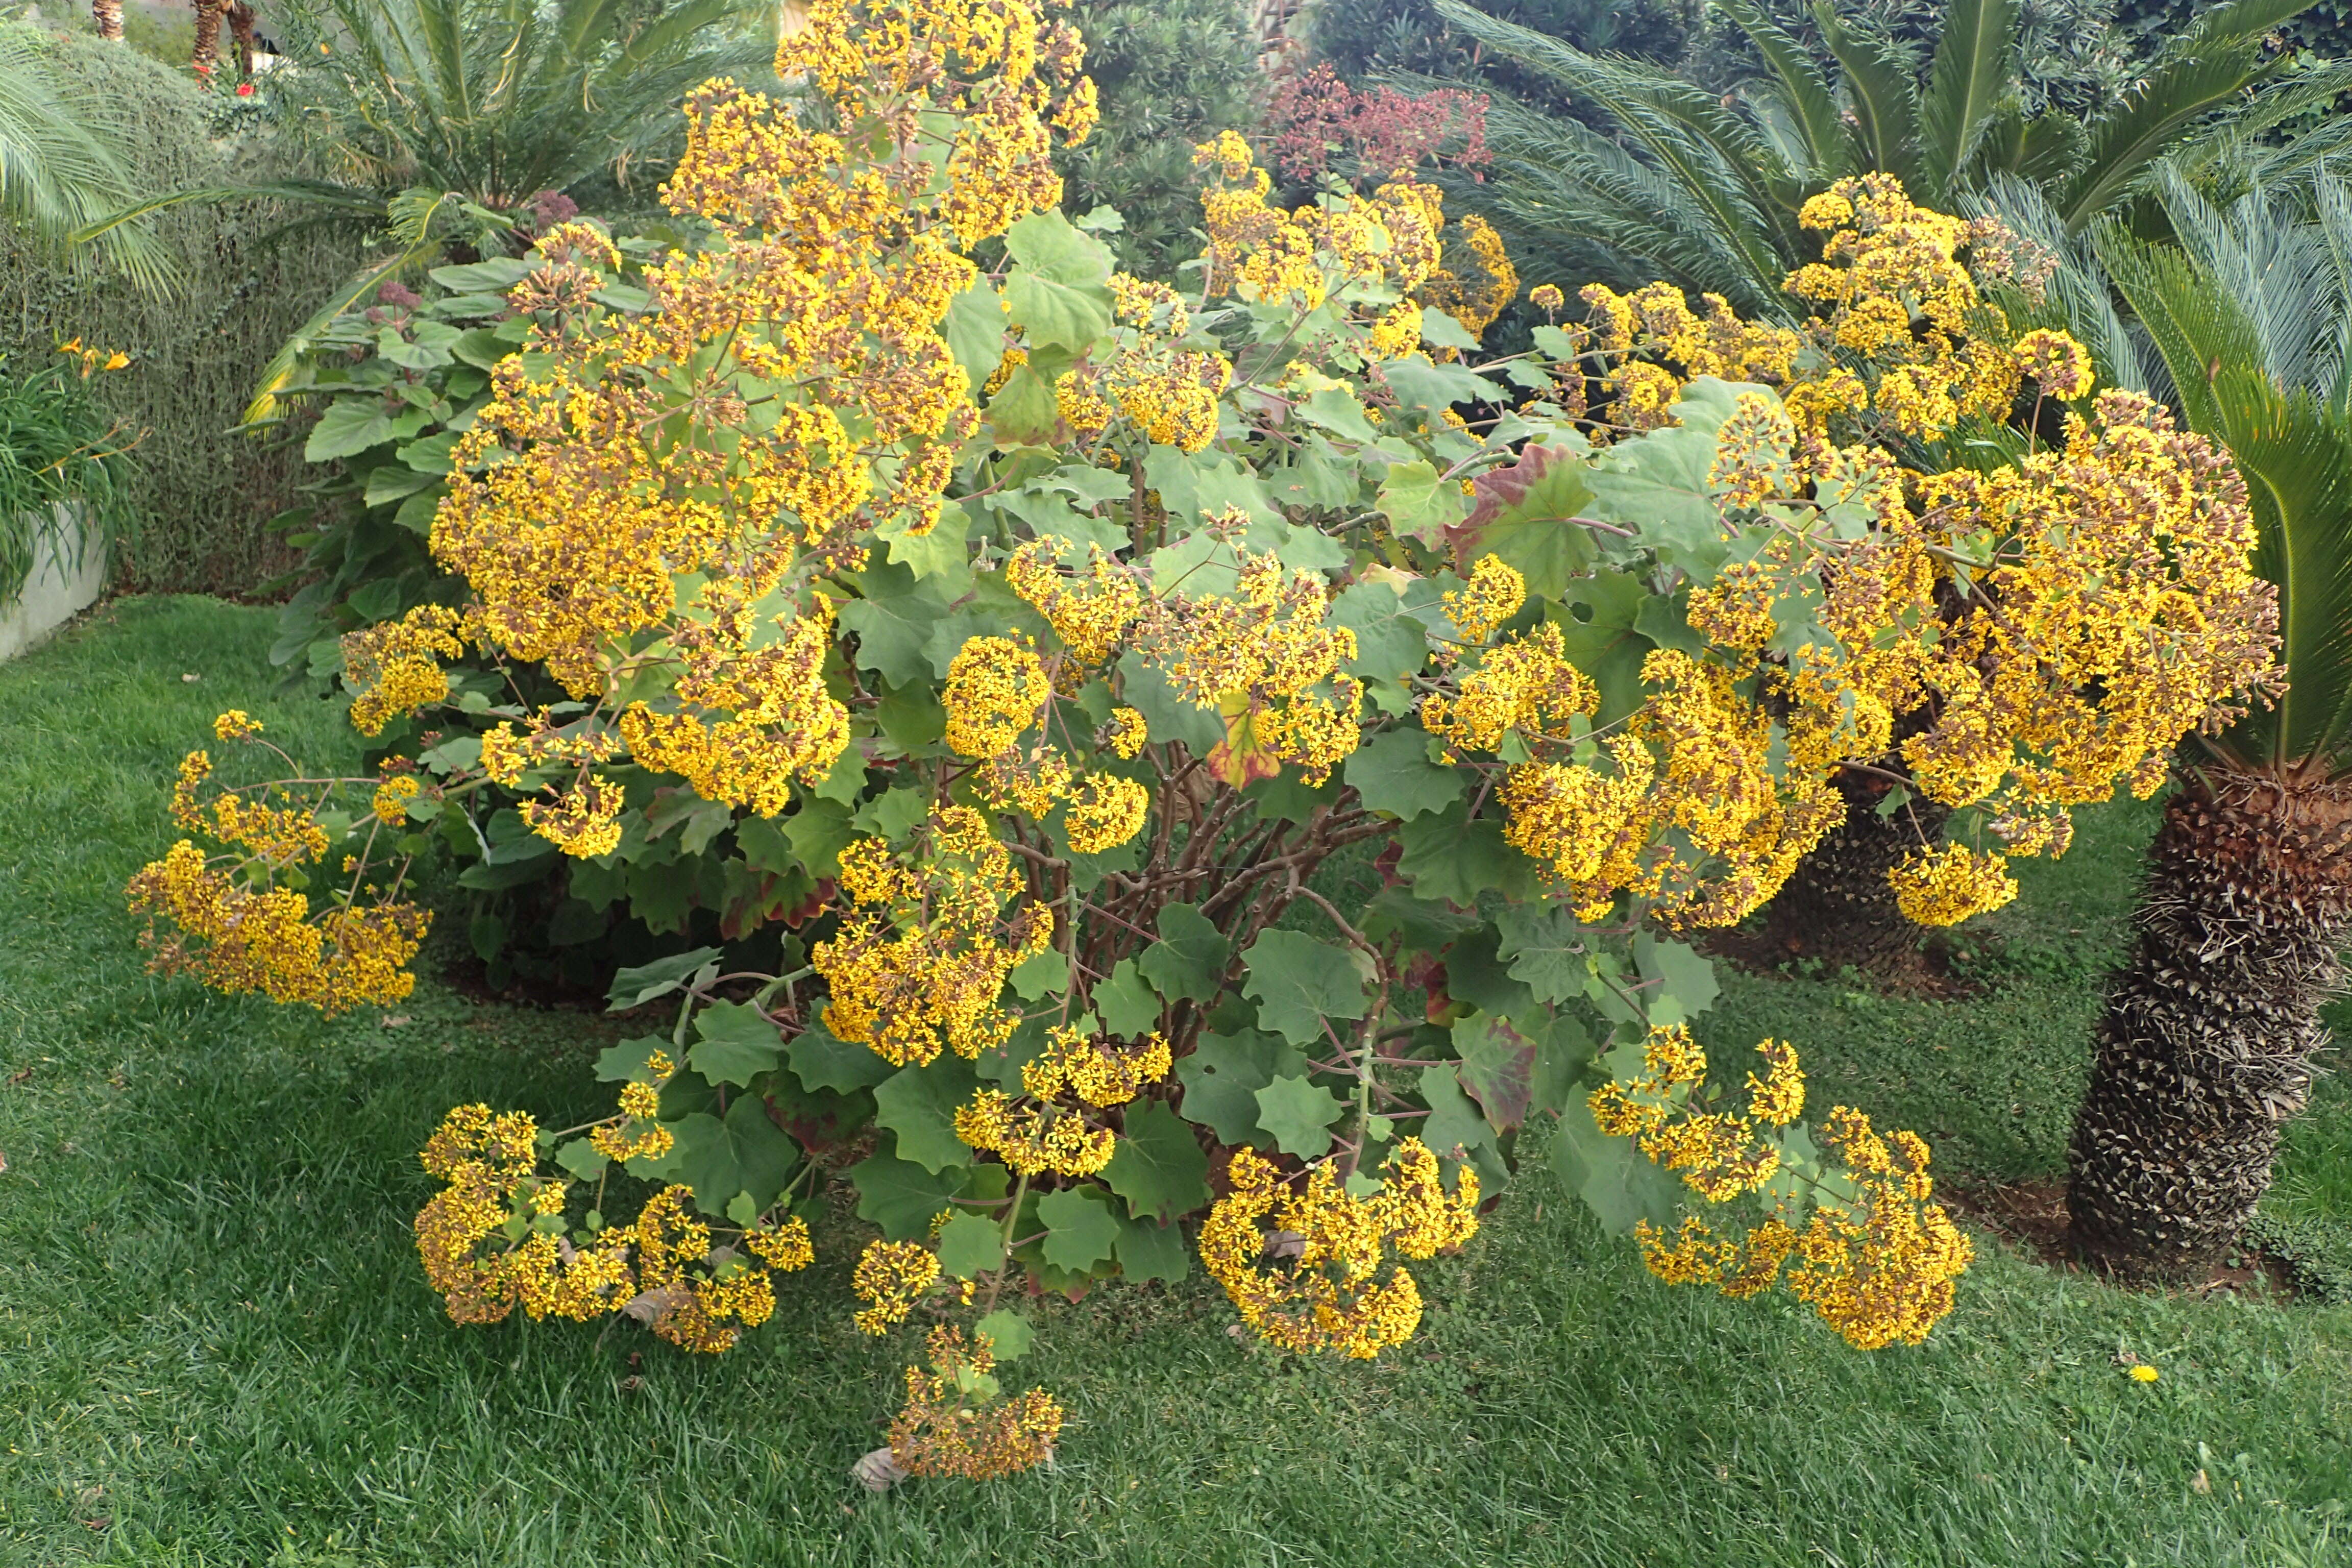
<point>1545,946</point>
<point>1043,973</point>
<point>901,1197</point>
<point>1157,1166</point>
<point>1080,1229</point>
<point>1686,984</point>
<point>822,1060</point>
<point>1222,1078</point>
<point>1299,982</point>
<point>745,1151</point>
<point>1057,287</point>
<point>1298,1115</point>
<point>1451,860</point>
<point>1392,773</point>
<point>1189,960</point>
<point>1147,1251</point>
<point>1126,1003</point>
<point>625,1063</point>
<point>1453,1126</point>
<point>735,1043</point>
<point>918,1104</point>
<point>1615,1179</point>
<point>636,987</point>
<point>1391,642</point>
<point>1009,1334</point>
<point>971,1245</point>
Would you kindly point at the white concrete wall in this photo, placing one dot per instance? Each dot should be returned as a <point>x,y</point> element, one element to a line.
<point>64,583</point>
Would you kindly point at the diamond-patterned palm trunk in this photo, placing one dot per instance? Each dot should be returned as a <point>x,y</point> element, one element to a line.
<point>1838,905</point>
<point>2206,1047</point>
<point>108,14</point>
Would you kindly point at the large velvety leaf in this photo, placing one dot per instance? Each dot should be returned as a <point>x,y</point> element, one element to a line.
<point>1545,946</point>
<point>1189,959</point>
<point>1687,985</point>
<point>1394,774</point>
<point>1058,287</point>
<point>970,1244</point>
<point>1450,860</point>
<point>1299,982</point>
<point>1419,382</point>
<point>821,1060</point>
<point>1497,1068</point>
<point>918,1104</point>
<point>735,1043</point>
<point>745,1152</point>
<point>1147,1251</point>
<point>901,1197</point>
<point>1521,514</point>
<point>1391,643</point>
<point>1159,1166</point>
<point>348,426</point>
<point>1298,1115</point>
<point>1453,1126</point>
<point>1614,1178</point>
<point>1080,1229</point>
<point>893,622</point>
<point>636,987</point>
<point>1222,1075</point>
<point>1125,1001</point>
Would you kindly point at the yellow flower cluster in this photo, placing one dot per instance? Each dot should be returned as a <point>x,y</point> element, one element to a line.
<point>493,1240</point>
<point>1945,885</point>
<point>1262,656</point>
<point>1688,811</point>
<point>238,938</point>
<point>1488,281</point>
<point>1526,686</point>
<point>890,1277</point>
<point>1091,613</point>
<point>1718,1154</point>
<point>1877,1261</point>
<point>998,689</point>
<point>954,1424</point>
<point>276,836</point>
<point>919,966</point>
<point>1335,1287</point>
<point>1493,596</point>
<point>395,668</point>
<point>1050,1130</point>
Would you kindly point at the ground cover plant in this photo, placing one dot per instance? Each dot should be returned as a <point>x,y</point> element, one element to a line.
<point>221,1351</point>
<point>1053,631</point>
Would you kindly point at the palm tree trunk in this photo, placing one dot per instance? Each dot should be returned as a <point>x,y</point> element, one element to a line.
<point>1838,905</point>
<point>207,50</point>
<point>2206,1047</point>
<point>240,27</point>
<point>108,15</point>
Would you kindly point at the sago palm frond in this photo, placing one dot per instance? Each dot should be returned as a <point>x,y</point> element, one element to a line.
<point>2296,457</point>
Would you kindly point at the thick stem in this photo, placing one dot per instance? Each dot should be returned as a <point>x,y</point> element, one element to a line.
<point>1838,905</point>
<point>2206,1047</point>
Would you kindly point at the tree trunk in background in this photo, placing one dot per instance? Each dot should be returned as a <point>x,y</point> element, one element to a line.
<point>1838,905</point>
<point>108,15</point>
<point>207,50</point>
<point>240,27</point>
<point>2206,1047</point>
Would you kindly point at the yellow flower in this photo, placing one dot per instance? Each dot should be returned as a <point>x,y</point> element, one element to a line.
<point>2143,1372</point>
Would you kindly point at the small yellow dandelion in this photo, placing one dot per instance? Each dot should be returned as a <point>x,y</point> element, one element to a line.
<point>2144,1374</point>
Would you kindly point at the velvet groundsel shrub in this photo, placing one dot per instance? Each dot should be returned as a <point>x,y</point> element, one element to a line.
<point>1249,757</point>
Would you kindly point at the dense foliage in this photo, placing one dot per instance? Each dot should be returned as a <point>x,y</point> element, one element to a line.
<point>57,450</point>
<point>1054,637</point>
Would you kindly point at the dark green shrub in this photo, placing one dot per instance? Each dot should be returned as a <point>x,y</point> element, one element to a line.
<point>1171,75</point>
<point>206,496</point>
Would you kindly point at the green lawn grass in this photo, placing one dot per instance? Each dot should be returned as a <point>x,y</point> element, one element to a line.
<point>218,1349</point>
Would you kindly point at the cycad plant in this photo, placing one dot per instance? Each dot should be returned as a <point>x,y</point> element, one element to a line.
<point>2207,1044</point>
<point>439,122</point>
<point>57,168</point>
<point>1705,190</point>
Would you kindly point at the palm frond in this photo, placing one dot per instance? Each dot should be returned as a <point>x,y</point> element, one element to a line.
<point>1965,89</point>
<point>2296,458</point>
<point>1881,95</point>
